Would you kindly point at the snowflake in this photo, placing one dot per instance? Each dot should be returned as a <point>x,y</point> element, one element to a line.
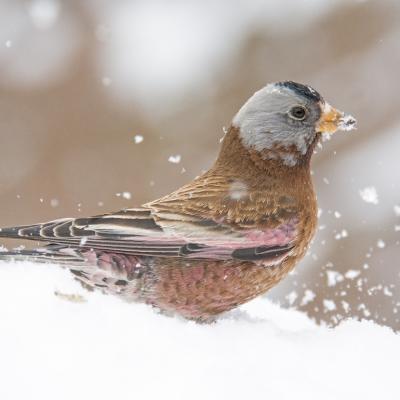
<point>380,243</point>
<point>352,273</point>
<point>124,195</point>
<point>138,139</point>
<point>369,195</point>
<point>175,159</point>
<point>329,305</point>
<point>308,297</point>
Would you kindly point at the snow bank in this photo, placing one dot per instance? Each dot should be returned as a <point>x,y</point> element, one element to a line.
<point>103,348</point>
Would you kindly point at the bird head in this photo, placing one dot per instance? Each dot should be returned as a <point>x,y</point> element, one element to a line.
<point>283,120</point>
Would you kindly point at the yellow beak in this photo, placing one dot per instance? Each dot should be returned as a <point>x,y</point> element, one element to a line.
<point>331,120</point>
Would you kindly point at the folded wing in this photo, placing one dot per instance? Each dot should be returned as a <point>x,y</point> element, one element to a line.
<point>142,232</point>
<point>183,224</point>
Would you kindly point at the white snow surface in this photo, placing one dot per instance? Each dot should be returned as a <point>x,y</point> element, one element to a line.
<point>105,348</point>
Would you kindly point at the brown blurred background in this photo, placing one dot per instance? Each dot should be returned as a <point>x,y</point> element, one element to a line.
<point>81,82</point>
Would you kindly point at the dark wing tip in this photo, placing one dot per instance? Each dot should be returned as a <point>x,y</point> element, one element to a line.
<point>261,253</point>
<point>12,232</point>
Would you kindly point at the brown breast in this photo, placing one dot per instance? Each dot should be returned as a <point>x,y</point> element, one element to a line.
<point>270,193</point>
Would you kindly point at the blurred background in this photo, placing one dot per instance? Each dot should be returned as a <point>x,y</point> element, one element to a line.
<point>109,104</point>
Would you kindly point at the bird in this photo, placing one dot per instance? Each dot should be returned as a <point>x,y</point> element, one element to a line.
<point>224,238</point>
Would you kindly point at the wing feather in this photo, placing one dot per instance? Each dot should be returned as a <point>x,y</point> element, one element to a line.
<point>199,220</point>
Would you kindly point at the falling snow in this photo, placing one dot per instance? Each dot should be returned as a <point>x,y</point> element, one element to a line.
<point>346,306</point>
<point>380,244</point>
<point>352,274</point>
<point>175,159</point>
<point>124,195</point>
<point>387,292</point>
<point>138,139</point>
<point>308,297</point>
<point>333,277</point>
<point>342,234</point>
<point>329,305</point>
<point>369,195</point>
<point>291,297</point>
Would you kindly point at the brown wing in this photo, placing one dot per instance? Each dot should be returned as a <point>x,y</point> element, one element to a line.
<point>210,218</point>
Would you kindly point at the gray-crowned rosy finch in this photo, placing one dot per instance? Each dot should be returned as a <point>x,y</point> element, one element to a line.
<point>222,239</point>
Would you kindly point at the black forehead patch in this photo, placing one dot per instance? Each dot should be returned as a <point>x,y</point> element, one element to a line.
<point>302,90</point>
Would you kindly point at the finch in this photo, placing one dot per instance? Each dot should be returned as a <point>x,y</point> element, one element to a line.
<point>221,240</point>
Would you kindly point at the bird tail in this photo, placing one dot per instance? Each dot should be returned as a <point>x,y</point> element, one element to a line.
<point>41,232</point>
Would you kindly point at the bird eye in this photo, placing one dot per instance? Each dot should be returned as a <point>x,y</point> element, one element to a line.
<point>298,112</point>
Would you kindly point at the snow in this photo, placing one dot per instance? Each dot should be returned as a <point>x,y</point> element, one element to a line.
<point>291,297</point>
<point>124,195</point>
<point>82,345</point>
<point>138,139</point>
<point>333,277</point>
<point>308,297</point>
<point>342,234</point>
<point>380,244</point>
<point>347,123</point>
<point>176,159</point>
<point>367,216</point>
<point>352,273</point>
<point>329,304</point>
<point>369,195</point>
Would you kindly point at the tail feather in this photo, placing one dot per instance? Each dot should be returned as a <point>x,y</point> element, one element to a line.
<point>12,232</point>
<point>42,231</point>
